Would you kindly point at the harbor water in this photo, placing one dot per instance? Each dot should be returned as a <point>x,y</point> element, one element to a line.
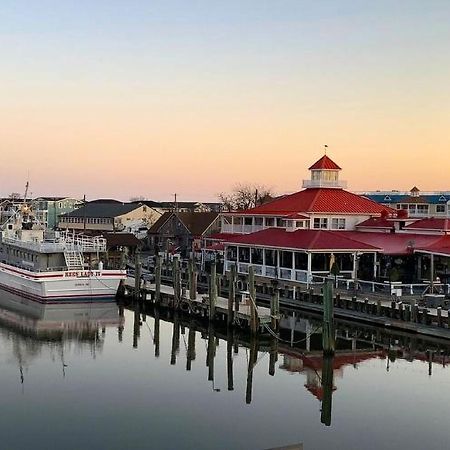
<point>109,377</point>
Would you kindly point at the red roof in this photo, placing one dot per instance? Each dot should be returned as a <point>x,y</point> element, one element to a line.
<point>376,222</point>
<point>325,163</point>
<point>393,243</point>
<point>303,240</point>
<point>441,246</point>
<point>429,224</point>
<point>320,200</point>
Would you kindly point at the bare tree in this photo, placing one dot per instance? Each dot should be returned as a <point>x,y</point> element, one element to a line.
<point>245,196</point>
<point>14,196</point>
<point>138,198</point>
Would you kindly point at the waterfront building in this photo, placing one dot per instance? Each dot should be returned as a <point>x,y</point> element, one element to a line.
<point>303,235</point>
<point>182,232</point>
<point>48,209</point>
<point>98,217</point>
<point>418,204</point>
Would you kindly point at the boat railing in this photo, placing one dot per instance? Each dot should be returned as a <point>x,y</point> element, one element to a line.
<point>83,244</point>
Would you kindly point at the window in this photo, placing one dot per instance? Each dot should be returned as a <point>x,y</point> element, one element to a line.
<point>257,256</point>
<point>321,222</point>
<point>301,261</point>
<point>440,208</point>
<point>271,258</point>
<point>338,224</point>
<point>258,221</point>
<point>286,259</point>
<point>422,209</point>
<point>232,253</point>
<point>270,221</point>
<point>299,224</point>
<point>244,254</point>
<point>281,223</point>
<point>248,220</point>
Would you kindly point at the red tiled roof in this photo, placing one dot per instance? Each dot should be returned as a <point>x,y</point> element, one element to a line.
<point>303,240</point>
<point>393,243</point>
<point>325,163</point>
<point>376,222</point>
<point>429,224</point>
<point>320,200</point>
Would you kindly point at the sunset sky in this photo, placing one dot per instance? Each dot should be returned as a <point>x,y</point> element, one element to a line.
<point>124,98</point>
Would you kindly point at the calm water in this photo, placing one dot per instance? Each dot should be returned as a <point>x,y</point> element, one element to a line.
<point>89,377</point>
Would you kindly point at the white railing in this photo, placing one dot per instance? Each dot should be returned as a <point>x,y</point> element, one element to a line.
<point>62,243</point>
<point>324,184</point>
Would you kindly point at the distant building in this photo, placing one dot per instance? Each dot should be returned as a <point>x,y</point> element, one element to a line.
<point>100,217</point>
<point>182,232</point>
<point>48,209</point>
<point>418,204</point>
<point>190,206</point>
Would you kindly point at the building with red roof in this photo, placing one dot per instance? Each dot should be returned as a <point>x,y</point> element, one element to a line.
<point>322,204</point>
<point>301,236</point>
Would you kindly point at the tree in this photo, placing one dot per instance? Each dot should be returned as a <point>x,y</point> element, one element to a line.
<point>138,198</point>
<point>14,196</point>
<point>244,196</point>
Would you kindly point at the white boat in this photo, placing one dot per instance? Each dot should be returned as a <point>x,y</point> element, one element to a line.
<point>53,267</point>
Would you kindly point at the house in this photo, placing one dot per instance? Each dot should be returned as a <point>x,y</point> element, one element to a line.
<point>418,204</point>
<point>182,232</point>
<point>100,217</point>
<point>120,247</point>
<point>48,209</point>
<point>190,206</point>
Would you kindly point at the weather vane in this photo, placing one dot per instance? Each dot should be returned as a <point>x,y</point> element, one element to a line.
<point>325,147</point>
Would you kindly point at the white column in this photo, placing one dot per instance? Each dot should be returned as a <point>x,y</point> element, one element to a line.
<point>293,269</point>
<point>278,263</point>
<point>232,224</point>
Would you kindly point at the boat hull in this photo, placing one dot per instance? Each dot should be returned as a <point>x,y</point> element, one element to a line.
<point>61,286</point>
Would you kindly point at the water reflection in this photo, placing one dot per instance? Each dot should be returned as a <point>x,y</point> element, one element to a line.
<point>32,328</point>
<point>299,349</point>
<point>138,368</point>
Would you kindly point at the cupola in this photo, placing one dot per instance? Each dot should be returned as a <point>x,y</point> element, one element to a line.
<point>324,174</point>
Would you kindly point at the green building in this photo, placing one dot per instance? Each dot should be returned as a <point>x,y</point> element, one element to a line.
<point>48,209</point>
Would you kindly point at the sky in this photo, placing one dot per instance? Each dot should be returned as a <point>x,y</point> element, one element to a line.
<point>148,98</point>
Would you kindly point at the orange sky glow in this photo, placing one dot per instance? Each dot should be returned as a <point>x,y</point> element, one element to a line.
<point>194,102</point>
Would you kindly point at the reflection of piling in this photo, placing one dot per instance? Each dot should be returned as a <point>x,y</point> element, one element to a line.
<point>231,295</point>
<point>328,319</point>
<point>137,324</point>
<point>251,364</point>
<point>158,280</point>
<point>156,333</point>
<point>230,360</point>
<point>191,348</point>
<point>211,352</point>
<point>327,388</point>
<point>212,291</point>
<point>273,358</point>
<point>175,339</point>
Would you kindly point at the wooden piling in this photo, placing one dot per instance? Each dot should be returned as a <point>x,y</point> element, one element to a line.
<point>252,292</point>
<point>176,281</point>
<point>231,295</point>
<point>439,317</point>
<point>273,357</point>
<point>212,291</point>
<point>137,275</point>
<point>192,277</point>
<point>275,308</point>
<point>158,268</point>
<point>211,350</point>
<point>328,319</point>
